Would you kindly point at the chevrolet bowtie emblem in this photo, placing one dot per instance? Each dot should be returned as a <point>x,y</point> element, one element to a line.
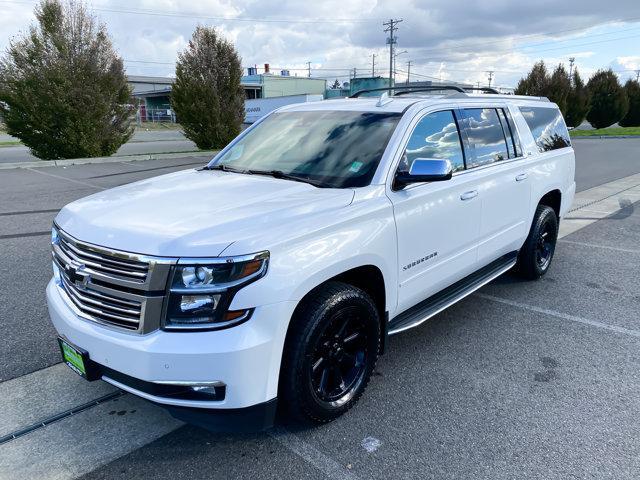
<point>78,276</point>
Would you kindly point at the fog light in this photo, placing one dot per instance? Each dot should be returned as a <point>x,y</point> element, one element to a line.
<point>205,389</point>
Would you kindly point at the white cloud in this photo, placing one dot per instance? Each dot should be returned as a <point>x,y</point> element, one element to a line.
<point>444,38</point>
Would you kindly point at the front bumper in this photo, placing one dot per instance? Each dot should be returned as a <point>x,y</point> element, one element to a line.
<point>245,358</point>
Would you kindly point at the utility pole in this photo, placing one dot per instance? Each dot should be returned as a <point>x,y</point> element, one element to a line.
<point>490,77</point>
<point>637,75</point>
<point>354,72</point>
<point>408,71</point>
<point>571,62</point>
<point>373,64</point>
<point>309,69</point>
<point>392,26</point>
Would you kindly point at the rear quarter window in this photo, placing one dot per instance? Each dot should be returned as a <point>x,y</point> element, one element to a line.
<point>547,127</point>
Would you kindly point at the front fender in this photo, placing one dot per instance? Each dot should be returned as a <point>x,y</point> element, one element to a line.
<point>365,235</point>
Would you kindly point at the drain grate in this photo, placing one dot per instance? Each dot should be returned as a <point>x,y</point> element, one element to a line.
<point>59,416</point>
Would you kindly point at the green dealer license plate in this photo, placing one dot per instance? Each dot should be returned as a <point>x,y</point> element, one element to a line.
<point>76,358</point>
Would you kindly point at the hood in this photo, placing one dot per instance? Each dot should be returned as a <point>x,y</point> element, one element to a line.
<point>193,213</point>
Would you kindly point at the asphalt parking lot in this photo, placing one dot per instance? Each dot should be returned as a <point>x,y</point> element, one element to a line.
<point>522,379</point>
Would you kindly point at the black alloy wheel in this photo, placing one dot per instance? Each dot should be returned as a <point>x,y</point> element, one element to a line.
<point>339,358</point>
<point>330,353</point>
<point>537,252</point>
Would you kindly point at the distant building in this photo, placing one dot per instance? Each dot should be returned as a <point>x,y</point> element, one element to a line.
<point>365,83</point>
<point>154,93</point>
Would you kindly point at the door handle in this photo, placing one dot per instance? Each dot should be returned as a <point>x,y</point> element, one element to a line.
<point>521,177</point>
<point>469,195</point>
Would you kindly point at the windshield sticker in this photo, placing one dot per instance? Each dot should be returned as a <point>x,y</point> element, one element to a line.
<point>355,167</point>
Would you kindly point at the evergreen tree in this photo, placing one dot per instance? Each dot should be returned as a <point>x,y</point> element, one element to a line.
<point>609,102</point>
<point>559,88</point>
<point>207,95</point>
<point>536,83</point>
<point>577,102</point>
<point>63,91</point>
<point>632,118</point>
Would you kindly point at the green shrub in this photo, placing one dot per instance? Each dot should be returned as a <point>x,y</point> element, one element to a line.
<point>632,118</point>
<point>63,91</point>
<point>609,102</point>
<point>577,102</point>
<point>207,95</point>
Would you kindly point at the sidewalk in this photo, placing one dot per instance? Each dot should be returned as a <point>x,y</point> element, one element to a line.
<point>142,143</point>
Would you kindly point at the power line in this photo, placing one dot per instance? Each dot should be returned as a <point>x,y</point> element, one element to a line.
<point>196,15</point>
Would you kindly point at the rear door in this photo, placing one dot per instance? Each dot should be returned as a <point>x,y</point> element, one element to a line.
<point>437,223</point>
<point>495,160</point>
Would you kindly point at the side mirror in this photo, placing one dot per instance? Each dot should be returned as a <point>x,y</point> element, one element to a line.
<point>424,170</point>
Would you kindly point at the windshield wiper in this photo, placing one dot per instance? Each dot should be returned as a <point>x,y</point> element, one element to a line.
<point>224,168</point>
<point>287,176</point>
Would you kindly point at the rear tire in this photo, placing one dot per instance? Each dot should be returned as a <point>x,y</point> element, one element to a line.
<point>537,252</point>
<point>330,353</point>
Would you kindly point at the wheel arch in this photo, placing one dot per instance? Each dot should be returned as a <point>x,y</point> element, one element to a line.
<point>553,199</point>
<point>368,278</point>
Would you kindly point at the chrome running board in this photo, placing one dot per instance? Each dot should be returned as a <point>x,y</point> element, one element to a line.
<point>433,305</point>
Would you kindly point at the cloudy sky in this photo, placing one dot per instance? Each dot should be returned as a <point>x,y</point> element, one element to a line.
<point>444,39</point>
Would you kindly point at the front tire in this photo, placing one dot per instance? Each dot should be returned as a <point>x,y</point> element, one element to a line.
<point>537,252</point>
<point>330,353</point>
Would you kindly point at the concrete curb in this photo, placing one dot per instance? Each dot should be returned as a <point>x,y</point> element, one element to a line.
<point>600,137</point>
<point>124,158</point>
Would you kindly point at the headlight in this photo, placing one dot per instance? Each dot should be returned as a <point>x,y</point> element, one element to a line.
<point>202,289</point>
<point>54,235</point>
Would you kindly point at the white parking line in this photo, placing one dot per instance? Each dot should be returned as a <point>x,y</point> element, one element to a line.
<point>606,247</point>
<point>311,455</point>
<point>72,180</point>
<point>563,316</point>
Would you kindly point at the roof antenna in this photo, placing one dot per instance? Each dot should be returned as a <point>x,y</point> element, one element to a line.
<point>384,99</point>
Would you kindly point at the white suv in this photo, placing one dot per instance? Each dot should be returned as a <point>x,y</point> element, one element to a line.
<point>276,273</point>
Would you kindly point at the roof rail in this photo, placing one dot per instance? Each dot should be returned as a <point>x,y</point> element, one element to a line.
<point>408,89</point>
<point>483,89</point>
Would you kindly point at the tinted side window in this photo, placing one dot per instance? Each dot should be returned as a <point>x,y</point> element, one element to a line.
<point>486,137</point>
<point>547,126</point>
<point>435,136</point>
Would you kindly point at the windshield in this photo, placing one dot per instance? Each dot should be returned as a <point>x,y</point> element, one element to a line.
<point>327,148</point>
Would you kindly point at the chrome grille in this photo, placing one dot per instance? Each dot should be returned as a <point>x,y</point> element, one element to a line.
<point>100,262</point>
<point>101,306</point>
<point>111,287</point>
